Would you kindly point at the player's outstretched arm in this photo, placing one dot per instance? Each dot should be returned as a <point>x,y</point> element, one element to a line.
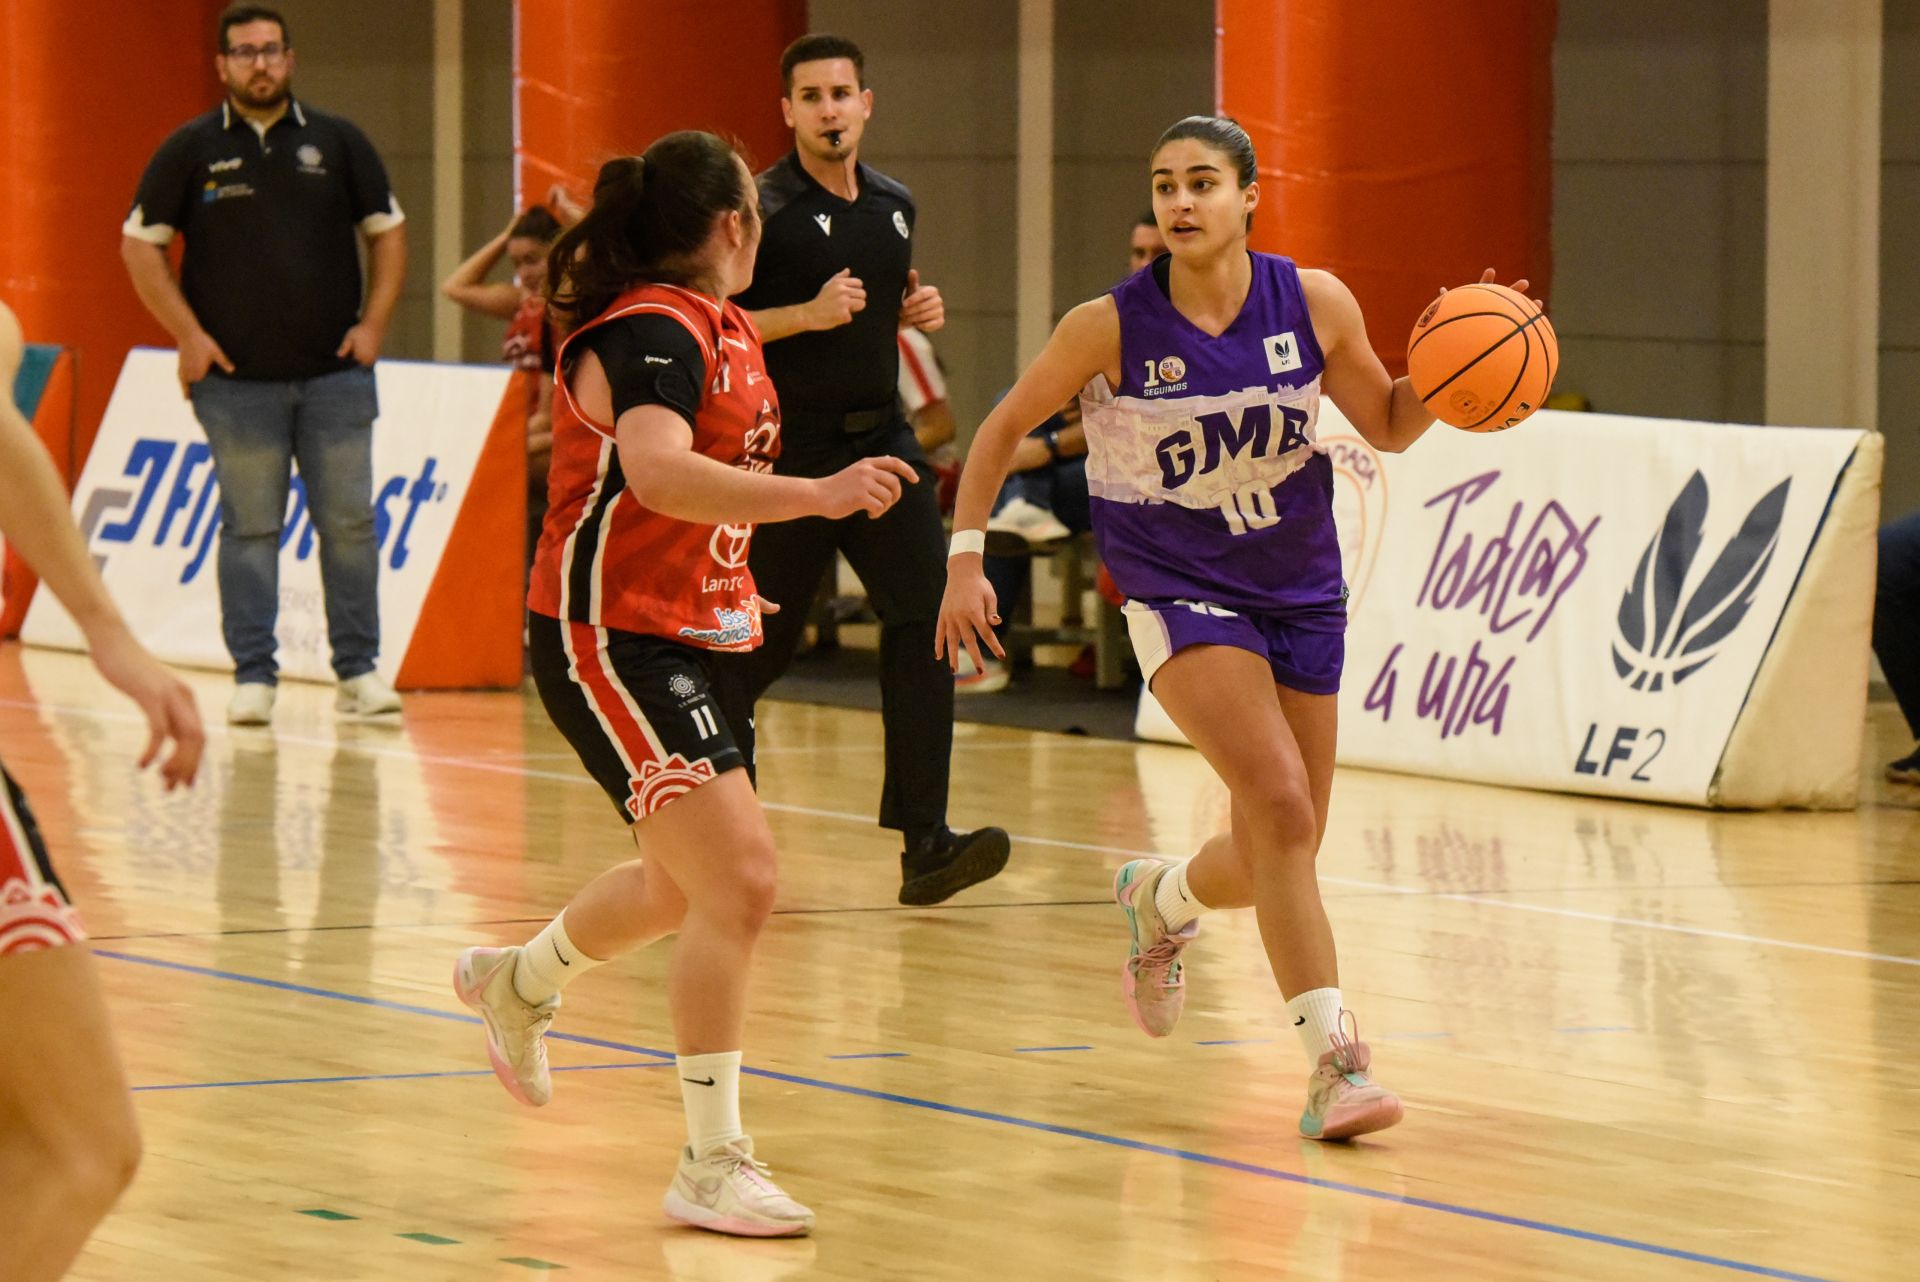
<point>35,521</point>
<point>667,476</point>
<point>1382,409</point>
<point>1085,343</point>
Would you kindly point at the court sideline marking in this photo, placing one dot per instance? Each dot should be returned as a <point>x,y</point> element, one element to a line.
<point>1484,899</point>
<point>1007,1119</point>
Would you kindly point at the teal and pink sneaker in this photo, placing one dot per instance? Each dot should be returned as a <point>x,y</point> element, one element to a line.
<point>1153,981</point>
<point>1342,1101</point>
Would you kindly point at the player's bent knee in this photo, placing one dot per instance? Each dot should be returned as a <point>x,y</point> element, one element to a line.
<point>1281,814</point>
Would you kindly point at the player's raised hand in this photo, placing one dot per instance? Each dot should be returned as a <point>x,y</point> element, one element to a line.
<point>921,307</point>
<point>968,612</point>
<point>1487,278</point>
<point>872,486</point>
<point>837,301</point>
<point>165,701</point>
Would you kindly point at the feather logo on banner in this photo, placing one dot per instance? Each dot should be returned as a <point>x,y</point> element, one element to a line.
<point>1665,633</point>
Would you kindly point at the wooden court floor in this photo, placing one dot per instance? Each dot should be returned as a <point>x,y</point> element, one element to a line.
<point>1634,1041</point>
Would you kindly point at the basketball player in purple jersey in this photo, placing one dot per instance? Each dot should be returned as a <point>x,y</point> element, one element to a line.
<point>1213,509</point>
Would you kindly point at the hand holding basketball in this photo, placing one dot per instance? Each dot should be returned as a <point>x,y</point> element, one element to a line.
<point>1482,357</point>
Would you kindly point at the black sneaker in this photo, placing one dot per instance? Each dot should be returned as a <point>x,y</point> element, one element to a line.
<point>940,869</point>
<point>1905,770</point>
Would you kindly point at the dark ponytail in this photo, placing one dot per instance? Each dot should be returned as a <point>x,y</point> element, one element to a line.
<point>1224,135</point>
<point>650,215</point>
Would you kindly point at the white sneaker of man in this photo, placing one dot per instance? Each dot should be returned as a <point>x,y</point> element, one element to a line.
<point>251,704</point>
<point>366,696</point>
<point>1030,521</point>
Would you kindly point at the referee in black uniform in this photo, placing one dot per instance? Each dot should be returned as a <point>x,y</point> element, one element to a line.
<point>832,287</point>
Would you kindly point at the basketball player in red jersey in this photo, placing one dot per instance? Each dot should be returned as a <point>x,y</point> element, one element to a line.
<point>665,431</point>
<point>68,1141</point>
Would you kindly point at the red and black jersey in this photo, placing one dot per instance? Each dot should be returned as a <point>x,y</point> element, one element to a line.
<point>607,561</point>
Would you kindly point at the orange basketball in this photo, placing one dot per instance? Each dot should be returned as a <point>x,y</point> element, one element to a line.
<point>1482,357</point>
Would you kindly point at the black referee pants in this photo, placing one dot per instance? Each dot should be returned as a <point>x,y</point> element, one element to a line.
<point>901,560</point>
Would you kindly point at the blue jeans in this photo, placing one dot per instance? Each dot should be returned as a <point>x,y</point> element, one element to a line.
<point>1061,488</point>
<point>258,430</point>
<point>1896,614</point>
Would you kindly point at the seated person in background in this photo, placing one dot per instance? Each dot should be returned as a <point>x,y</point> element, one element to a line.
<point>1044,500</point>
<point>923,395</point>
<point>1146,243</point>
<point>1896,630</point>
<point>1045,497</point>
<point>529,342</point>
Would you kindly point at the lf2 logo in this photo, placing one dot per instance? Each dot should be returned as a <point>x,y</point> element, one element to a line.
<point>1671,624</point>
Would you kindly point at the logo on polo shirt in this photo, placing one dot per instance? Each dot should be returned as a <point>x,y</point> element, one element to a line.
<point>222,166</point>
<point>825,221</point>
<point>309,157</point>
<point>900,223</point>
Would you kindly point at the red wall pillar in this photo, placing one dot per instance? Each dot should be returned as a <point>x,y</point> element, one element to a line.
<point>594,80</point>
<point>88,90</point>
<point>1403,144</point>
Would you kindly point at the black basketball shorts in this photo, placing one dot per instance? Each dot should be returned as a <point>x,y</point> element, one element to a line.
<point>642,711</point>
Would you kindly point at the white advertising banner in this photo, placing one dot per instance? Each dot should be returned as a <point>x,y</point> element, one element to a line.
<point>1583,604</point>
<point>148,504</point>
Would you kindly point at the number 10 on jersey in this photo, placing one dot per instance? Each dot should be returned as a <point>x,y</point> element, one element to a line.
<point>1250,507</point>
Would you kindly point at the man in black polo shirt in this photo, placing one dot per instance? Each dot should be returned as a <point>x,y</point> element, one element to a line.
<point>832,287</point>
<point>276,350</point>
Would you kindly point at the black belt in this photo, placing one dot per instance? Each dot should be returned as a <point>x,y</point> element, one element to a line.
<point>856,423</point>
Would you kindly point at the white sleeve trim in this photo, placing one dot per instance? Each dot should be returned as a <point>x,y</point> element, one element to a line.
<point>139,228</point>
<point>386,219</point>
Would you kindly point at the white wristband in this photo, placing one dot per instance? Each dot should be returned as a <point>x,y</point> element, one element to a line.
<point>967,541</point>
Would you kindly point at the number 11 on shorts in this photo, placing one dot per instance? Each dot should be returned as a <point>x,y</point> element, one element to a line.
<point>703,722</point>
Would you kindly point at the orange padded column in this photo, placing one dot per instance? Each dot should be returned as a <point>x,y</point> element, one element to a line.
<point>594,80</point>
<point>88,90</point>
<point>1404,144</point>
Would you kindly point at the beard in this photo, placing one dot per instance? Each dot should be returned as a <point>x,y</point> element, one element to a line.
<point>260,92</point>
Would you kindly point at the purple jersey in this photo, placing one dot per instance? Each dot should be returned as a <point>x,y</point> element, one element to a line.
<point>1207,484</point>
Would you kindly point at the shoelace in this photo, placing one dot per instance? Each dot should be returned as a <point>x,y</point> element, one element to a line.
<point>751,1168</point>
<point>1346,1044</point>
<point>1164,953</point>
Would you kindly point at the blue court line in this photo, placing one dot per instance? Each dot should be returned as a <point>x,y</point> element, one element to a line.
<point>330,995</point>
<point>1043,1050</point>
<point>379,1077</point>
<point>1238,1041</point>
<point>1070,1132</point>
<point>873,1055</point>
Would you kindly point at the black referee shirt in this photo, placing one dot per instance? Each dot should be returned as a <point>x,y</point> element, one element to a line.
<point>811,234</point>
<point>272,262</point>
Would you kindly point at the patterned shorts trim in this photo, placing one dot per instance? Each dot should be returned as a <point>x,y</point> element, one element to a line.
<point>34,910</point>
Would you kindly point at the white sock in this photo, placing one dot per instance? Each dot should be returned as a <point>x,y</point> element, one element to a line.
<point>549,962</point>
<point>1175,899</point>
<point>710,1092</point>
<point>1316,1018</point>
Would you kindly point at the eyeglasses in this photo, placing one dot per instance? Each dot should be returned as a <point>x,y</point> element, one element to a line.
<point>257,53</point>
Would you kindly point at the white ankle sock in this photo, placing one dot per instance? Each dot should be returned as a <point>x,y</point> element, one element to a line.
<point>710,1092</point>
<point>1316,1018</point>
<point>549,962</point>
<point>1175,899</point>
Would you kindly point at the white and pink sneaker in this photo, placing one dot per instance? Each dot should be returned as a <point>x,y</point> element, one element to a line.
<point>727,1191</point>
<point>516,1029</point>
